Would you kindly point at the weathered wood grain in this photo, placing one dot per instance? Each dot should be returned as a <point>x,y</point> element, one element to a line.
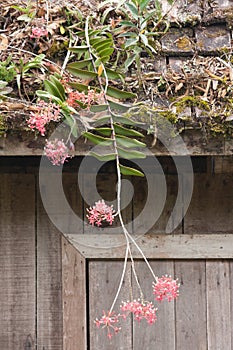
<point>211,207</point>
<point>184,246</point>
<point>191,332</point>
<point>154,203</point>
<point>161,334</point>
<point>17,262</point>
<point>219,319</point>
<point>104,277</point>
<point>74,298</point>
<point>49,284</point>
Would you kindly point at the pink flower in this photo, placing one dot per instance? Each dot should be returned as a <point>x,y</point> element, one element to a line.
<point>109,321</point>
<point>46,113</point>
<point>140,310</point>
<point>86,99</point>
<point>100,212</point>
<point>166,288</point>
<point>56,151</point>
<point>38,32</point>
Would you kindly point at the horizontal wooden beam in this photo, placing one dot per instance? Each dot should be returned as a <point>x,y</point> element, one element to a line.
<point>182,246</point>
<point>197,143</point>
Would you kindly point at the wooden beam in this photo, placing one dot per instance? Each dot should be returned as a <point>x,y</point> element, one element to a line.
<point>179,246</point>
<point>196,142</point>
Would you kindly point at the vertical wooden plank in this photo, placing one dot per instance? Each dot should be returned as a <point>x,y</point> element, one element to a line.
<point>74,298</point>
<point>211,208</point>
<point>219,318</point>
<point>191,330</point>
<point>49,284</point>
<point>161,334</point>
<point>141,202</point>
<point>104,277</point>
<point>17,261</point>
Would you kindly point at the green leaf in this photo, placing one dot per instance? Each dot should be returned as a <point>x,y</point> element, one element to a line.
<point>128,24</point>
<point>47,96</point>
<point>124,120</point>
<point>131,41</point>
<point>120,130</point>
<point>119,94</point>
<point>81,64</point>
<point>83,74</point>
<point>100,44</point>
<point>79,49</point>
<point>98,140</point>
<point>133,10</point>
<point>130,154</point>
<point>111,74</point>
<point>128,34</point>
<point>102,120</point>
<point>53,89</point>
<point>106,52</point>
<point>103,157</point>
<point>104,131</point>
<point>59,87</point>
<point>125,170</point>
<point>119,106</point>
<point>144,39</point>
<point>98,108</point>
<point>129,61</point>
<point>143,4</point>
<point>126,142</point>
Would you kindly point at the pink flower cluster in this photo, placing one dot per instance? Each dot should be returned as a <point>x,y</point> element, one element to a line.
<point>87,99</point>
<point>109,321</point>
<point>56,151</point>
<point>45,114</point>
<point>166,288</point>
<point>38,32</point>
<point>100,212</point>
<point>140,310</point>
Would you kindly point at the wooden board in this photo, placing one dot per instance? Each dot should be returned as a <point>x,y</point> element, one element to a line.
<point>219,317</point>
<point>49,284</point>
<point>191,306</point>
<point>211,207</point>
<point>74,298</point>
<point>182,246</point>
<point>161,334</point>
<point>104,277</point>
<point>17,262</point>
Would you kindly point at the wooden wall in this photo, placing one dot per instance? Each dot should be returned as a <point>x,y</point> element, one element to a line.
<point>50,292</point>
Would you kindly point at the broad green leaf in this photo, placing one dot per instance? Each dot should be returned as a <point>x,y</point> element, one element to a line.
<point>98,108</point>
<point>83,74</point>
<point>143,4</point>
<point>98,140</point>
<point>128,24</point>
<point>100,44</point>
<point>53,89</point>
<point>112,74</point>
<point>129,61</point>
<point>104,131</point>
<point>146,19</point>
<point>126,142</point>
<point>131,41</point>
<point>81,64</point>
<point>79,49</point>
<point>80,87</point>
<point>102,121</point>
<point>106,52</point>
<point>119,106</point>
<point>130,154</point>
<point>125,170</point>
<point>124,120</point>
<point>119,94</point>
<point>103,157</point>
<point>133,10</point>
<point>59,86</point>
<point>120,130</point>
<point>46,95</point>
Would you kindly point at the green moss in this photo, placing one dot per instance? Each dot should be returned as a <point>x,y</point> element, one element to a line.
<point>191,101</point>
